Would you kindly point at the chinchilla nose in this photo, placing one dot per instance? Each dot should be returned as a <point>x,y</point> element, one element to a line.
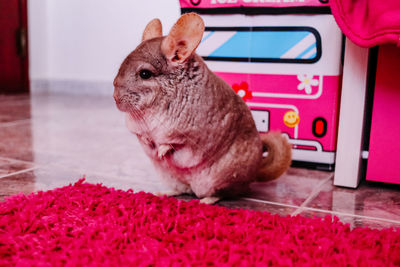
<point>117,87</point>
<point>116,95</point>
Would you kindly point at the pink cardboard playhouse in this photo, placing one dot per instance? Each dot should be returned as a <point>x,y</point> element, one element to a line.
<point>284,59</point>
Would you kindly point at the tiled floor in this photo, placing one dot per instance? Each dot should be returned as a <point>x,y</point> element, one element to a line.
<point>51,141</point>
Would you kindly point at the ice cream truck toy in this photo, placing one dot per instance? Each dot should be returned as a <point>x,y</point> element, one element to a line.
<point>286,67</point>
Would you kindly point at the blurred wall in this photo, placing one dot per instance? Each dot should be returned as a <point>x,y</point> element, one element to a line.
<point>75,43</point>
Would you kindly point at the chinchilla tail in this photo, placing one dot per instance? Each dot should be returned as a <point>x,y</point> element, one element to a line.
<point>278,158</point>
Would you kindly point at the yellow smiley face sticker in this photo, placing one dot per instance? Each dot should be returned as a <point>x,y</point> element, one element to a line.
<point>291,118</point>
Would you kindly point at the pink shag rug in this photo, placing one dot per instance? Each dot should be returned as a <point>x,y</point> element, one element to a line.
<point>92,225</point>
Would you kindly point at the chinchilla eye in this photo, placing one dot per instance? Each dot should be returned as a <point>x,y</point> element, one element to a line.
<point>145,74</point>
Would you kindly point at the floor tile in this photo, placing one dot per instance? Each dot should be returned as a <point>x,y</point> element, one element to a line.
<point>371,200</point>
<point>292,188</point>
<point>14,99</point>
<point>15,184</point>
<point>117,154</point>
<point>16,141</point>
<point>354,221</point>
<point>87,135</point>
<point>8,166</point>
<point>14,108</point>
<point>50,177</point>
<point>259,206</point>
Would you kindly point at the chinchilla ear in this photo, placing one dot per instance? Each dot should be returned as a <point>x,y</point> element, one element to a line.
<point>183,38</point>
<point>152,30</point>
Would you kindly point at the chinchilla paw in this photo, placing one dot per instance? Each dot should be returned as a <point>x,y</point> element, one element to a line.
<point>210,200</point>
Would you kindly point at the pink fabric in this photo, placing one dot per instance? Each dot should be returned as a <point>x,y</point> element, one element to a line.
<point>368,22</point>
<point>92,225</point>
<point>384,146</point>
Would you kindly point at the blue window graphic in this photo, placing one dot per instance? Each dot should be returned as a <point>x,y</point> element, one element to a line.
<point>261,44</point>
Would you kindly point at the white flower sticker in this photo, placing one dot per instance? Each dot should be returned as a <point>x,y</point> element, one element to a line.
<point>241,93</point>
<point>306,82</point>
